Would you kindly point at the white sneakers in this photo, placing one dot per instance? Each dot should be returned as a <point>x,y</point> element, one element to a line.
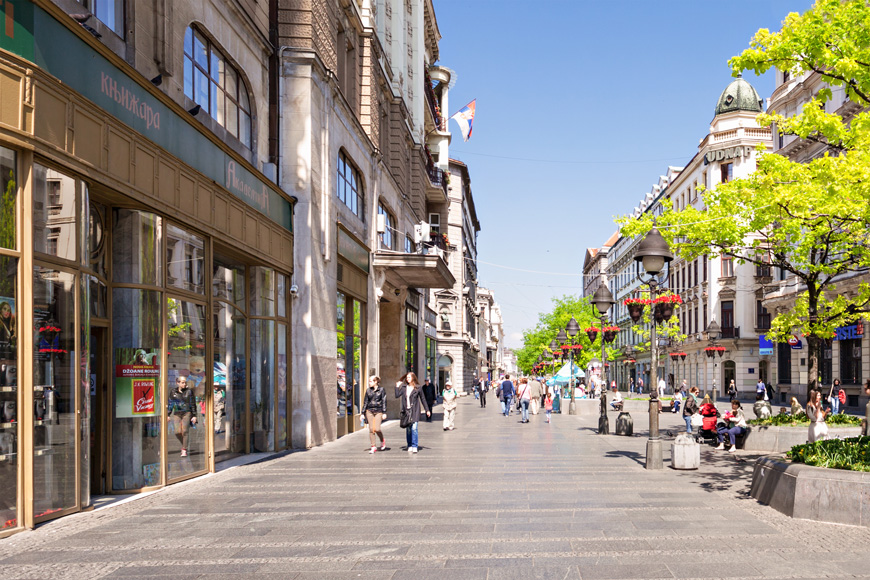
<point>733,449</point>
<point>384,445</point>
<point>412,450</point>
<point>373,449</point>
<point>721,447</point>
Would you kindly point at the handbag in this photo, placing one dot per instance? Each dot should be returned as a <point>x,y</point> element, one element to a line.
<point>697,420</point>
<point>405,419</point>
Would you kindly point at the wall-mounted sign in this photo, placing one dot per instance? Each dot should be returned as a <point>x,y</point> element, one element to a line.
<point>35,35</point>
<point>849,332</point>
<point>729,153</point>
<point>765,346</point>
<point>137,382</point>
<point>795,343</point>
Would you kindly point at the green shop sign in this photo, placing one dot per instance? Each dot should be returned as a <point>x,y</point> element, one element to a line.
<point>55,49</point>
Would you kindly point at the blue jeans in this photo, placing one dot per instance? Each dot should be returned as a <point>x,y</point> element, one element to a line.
<point>835,404</point>
<point>732,433</point>
<point>506,405</point>
<point>411,435</point>
<point>688,419</point>
<point>524,403</point>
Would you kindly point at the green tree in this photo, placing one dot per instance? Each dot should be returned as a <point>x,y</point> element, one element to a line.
<point>536,340</point>
<point>809,219</point>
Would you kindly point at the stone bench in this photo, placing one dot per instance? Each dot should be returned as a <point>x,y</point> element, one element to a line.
<point>812,493</point>
<point>779,439</point>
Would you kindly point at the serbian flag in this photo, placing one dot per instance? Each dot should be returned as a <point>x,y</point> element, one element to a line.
<point>465,118</point>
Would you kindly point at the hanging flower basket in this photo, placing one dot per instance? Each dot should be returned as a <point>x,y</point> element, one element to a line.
<point>683,356</point>
<point>610,333</point>
<point>674,356</point>
<point>664,306</point>
<point>635,307</point>
<point>714,350</point>
<point>592,333</point>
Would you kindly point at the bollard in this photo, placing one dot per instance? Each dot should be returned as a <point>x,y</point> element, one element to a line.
<point>624,424</point>
<point>685,452</point>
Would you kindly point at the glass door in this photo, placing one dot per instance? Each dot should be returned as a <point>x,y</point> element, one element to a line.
<point>98,388</point>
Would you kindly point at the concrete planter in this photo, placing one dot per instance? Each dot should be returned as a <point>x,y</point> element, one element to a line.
<point>775,439</point>
<point>812,493</point>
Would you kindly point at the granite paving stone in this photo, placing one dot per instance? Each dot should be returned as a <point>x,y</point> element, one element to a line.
<point>493,500</point>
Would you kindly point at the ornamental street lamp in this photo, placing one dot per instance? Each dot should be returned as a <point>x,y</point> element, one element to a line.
<point>566,336</point>
<point>712,334</point>
<point>603,300</point>
<point>653,253</point>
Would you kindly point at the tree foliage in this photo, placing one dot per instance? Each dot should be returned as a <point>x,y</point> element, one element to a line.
<point>809,219</point>
<point>536,340</point>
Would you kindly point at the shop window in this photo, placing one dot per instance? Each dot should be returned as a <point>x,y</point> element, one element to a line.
<point>137,330</point>
<point>55,213</point>
<point>229,380</point>
<point>9,193</point>
<point>387,238</point>
<point>410,349</point>
<point>97,239</point>
<point>349,185</point>
<point>54,394</point>
<point>262,385</point>
<point>263,292</point>
<point>349,354</point>
<point>281,281</point>
<point>850,361</point>
<point>9,419</point>
<point>216,85</point>
<point>228,282</point>
<point>281,399</point>
<point>783,363</point>
<point>136,256</point>
<point>109,12</point>
<point>185,260</point>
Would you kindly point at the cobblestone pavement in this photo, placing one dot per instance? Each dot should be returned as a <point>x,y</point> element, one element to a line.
<point>494,499</point>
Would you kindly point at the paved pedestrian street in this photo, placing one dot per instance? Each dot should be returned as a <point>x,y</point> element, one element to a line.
<point>494,499</point>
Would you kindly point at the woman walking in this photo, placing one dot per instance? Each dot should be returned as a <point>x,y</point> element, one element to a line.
<point>732,391</point>
<point>448,404</point>
<point>834,397</point>
<point>524,394</point>
<point>548,404</point>
<point>375,410</point>
<point>411,396</point>
<point>816,414</point>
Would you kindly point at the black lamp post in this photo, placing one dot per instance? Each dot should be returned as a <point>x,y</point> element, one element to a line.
<point>603,300</point>
<point>712,334</point>
<point>653,253</point>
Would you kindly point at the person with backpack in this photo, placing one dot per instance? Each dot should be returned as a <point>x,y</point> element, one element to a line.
<point>524,397</point>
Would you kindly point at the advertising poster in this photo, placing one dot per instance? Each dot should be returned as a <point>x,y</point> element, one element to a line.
<point>8,328</point>
<point>137,382</point>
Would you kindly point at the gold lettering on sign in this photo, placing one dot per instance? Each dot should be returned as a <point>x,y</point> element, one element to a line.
<point>235,184</point>
<point>129,101</point>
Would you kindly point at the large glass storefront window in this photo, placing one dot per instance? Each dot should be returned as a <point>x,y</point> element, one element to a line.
<point>230,374</point>
<point>187,379</point>
<point>850,361</point>
<point>137,377</point>
<point>54,391</point>
<point>54,213</point>
<point>349,355</point>
<point>262,383</point>
<point>8,343</point>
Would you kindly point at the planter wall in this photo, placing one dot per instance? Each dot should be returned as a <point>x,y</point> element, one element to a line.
<point>812,493</point>
<point>775,439</point>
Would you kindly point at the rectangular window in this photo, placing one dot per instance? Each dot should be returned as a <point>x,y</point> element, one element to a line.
<point>850,361</point>
<point>109,12</point>
<point>727,267</point>
<point>435,222</point>
<point>410,348</point>
<point>762,271</point>
<point>727,172</point>
<point>348,185</point>
<point>762,316</point>
<point>696,272</point>
<point>387,238</point>
<point>727,316</point>
<point>783,363</point>
<point>705,260</point>
<point>697,328</point>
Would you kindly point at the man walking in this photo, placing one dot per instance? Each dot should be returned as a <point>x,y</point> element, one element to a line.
<point>640,385</point>
<point>507,393</point>
<point>484,387</point>
<point>537,390</point>
<point>430,395</point>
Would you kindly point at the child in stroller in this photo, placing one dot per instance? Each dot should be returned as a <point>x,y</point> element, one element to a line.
<point>708,431</point>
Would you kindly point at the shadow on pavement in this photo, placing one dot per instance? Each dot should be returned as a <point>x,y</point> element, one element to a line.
<point>638,458</point>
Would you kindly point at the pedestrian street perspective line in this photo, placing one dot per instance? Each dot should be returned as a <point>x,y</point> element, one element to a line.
<point>494,499</point>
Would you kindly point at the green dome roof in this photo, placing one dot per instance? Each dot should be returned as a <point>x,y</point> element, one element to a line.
<point>739,96</point>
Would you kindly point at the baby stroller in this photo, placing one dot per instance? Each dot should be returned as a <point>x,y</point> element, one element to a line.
<point>708,432</point>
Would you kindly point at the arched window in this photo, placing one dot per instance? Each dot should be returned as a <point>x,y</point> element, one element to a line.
<point>214,84</point>
<point>349,184</point>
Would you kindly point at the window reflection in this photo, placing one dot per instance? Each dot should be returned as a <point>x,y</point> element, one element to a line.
<point>229,382</point>
<point>262,291</point>
<point>262,384</point>
<point>136,257</point>
<point>8,393</point>
<point>54,213</point>
<point>185,259</point>
<point>8,197</point>
<point>228,281</point>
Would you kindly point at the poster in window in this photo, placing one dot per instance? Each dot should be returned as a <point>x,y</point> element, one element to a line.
<point>137,382</point>
<point>8,332</point>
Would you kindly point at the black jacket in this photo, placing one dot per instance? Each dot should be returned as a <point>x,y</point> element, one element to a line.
<point>182,402</point>
<point>375,400</point>
<point>417,401</point>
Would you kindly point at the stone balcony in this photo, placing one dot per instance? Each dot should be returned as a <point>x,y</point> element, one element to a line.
<point>427,268</point>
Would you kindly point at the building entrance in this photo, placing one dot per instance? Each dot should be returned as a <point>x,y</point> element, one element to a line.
<point>97,413</point>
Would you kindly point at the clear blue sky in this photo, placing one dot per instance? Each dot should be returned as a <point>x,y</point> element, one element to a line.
<point>580,107</point>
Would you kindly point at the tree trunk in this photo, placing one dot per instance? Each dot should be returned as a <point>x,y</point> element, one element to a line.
<point>813,341</point>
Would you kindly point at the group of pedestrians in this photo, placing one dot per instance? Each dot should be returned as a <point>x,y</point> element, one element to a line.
<point>530,395</point>
<point>415,401</point>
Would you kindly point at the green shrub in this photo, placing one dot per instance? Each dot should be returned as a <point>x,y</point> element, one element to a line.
<point>801,420</point>
<point>850,454</point>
